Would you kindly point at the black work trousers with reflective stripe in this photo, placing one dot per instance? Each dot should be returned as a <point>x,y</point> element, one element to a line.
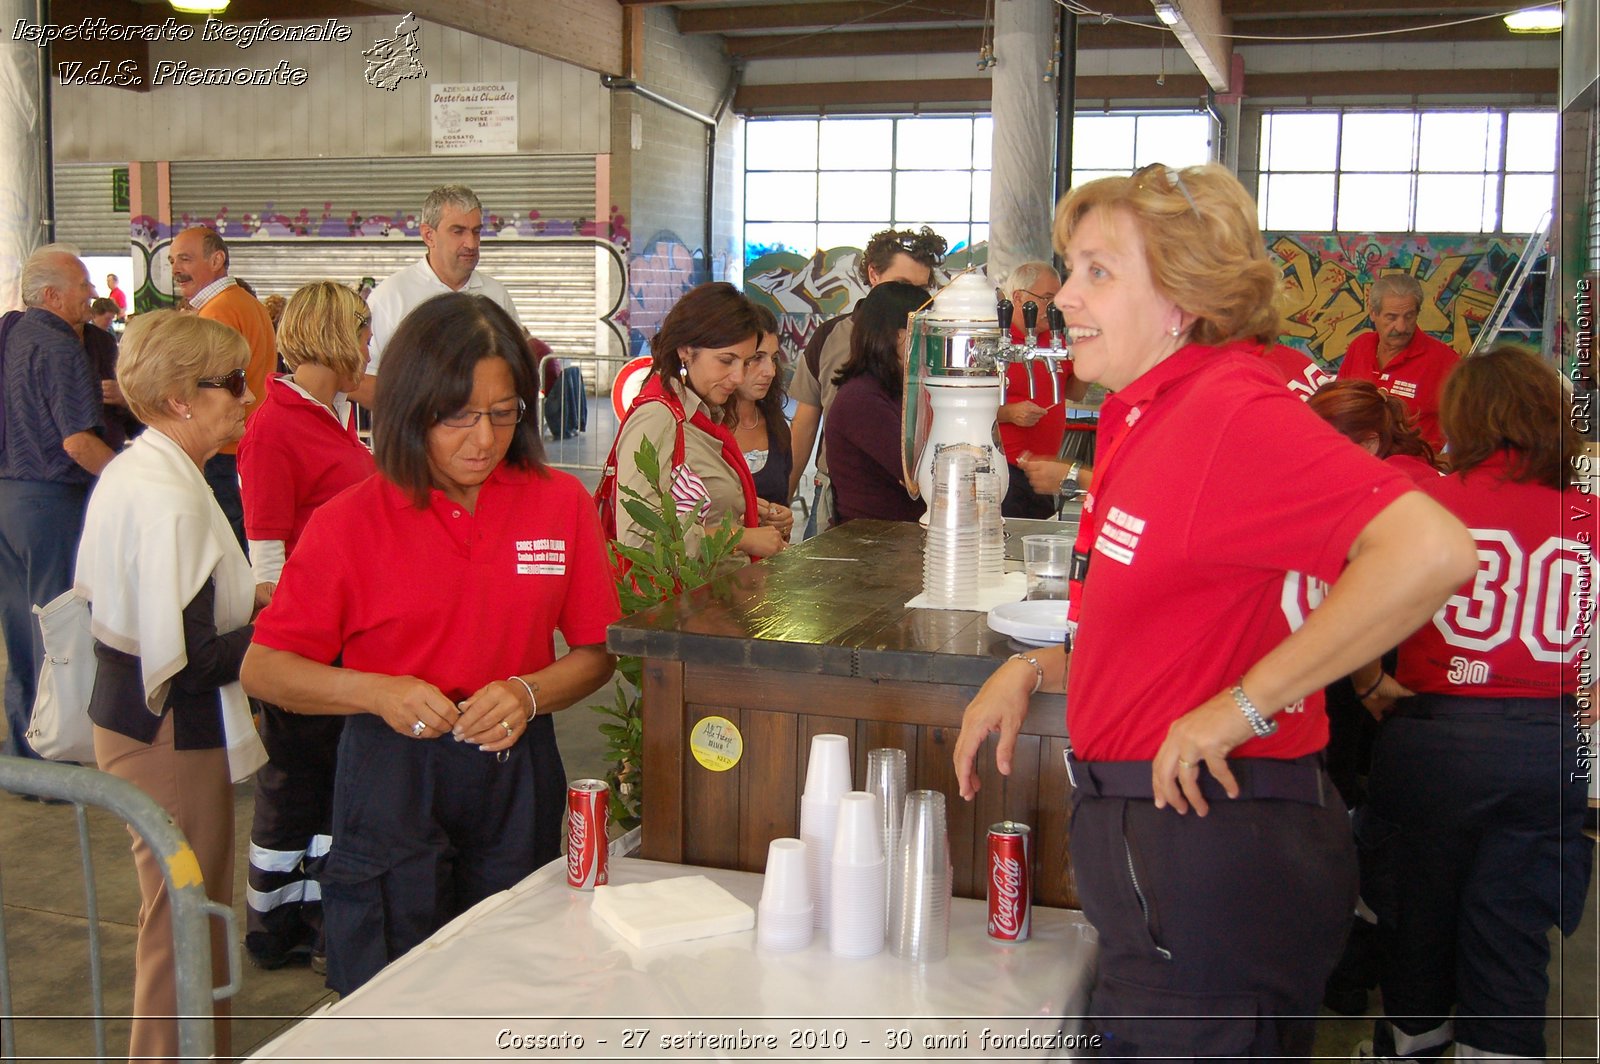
<point>1217,933</point>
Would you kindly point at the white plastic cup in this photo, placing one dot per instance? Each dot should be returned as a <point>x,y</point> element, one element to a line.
<point>784,888</point>
<point>828,769</point>
<point>858,839</point>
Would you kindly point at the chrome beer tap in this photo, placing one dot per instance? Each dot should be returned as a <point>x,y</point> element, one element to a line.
<point>1059,347</point>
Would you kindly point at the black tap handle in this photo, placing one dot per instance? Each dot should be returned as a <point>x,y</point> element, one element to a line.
<point>1002,313</point>
<point>1056,319</point>
<point>1030,318</point>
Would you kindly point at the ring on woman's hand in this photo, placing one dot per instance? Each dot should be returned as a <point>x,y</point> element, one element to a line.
<point>418,728</point>
<point>507,727</point>
<point>1185,764</point>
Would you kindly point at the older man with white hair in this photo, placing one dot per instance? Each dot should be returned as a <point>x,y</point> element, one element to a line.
<point>50,453</point>
<point>1399,357</point>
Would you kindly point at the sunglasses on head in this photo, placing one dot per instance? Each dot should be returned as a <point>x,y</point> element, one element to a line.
<point>233,382</point>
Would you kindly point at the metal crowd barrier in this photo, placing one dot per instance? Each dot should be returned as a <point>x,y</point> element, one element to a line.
<point>191,909</point>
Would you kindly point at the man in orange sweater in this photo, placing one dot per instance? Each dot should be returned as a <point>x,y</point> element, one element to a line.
<point>199,259</point>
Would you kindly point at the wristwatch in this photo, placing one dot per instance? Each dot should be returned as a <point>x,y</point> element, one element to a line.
<point>1069,483</point>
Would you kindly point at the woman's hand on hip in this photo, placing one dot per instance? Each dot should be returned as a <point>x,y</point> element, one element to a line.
<point>761,542</point>
<point>495,717</point>
<point>1207,733</point>
<point>414,707</point>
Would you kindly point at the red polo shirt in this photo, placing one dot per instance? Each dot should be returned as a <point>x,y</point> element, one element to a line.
<point>453,597</point>
<point>1297,370</point>
<point>1225,507</point>
<point>1415,376</point>
<point>1031,381</point>
<point>294,457</point>
<point>1513,630</point>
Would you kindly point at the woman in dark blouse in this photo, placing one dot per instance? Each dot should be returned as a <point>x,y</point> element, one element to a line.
<point>756,417</point>
<point>863,431</point>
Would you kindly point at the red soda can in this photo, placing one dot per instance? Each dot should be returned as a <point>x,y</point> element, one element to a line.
<point>1010,882</point>
<point>588,803</point>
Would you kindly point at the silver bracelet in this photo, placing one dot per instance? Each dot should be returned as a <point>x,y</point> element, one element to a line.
<point>1258,724</point>
<point>1038,678</point>
<point>534,712</point>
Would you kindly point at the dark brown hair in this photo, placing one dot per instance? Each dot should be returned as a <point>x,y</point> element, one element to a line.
<point>924,245</point>
<point>427,374</point>
<point>1363,411</point>
<point>875,331</point>
<point>713,314</point>
<point>1507,399</point>
<point>770,406</point>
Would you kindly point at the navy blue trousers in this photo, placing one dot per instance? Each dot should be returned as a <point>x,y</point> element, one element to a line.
<point>1474,833</point>
<point>40,523</point>
<point>423,829</point>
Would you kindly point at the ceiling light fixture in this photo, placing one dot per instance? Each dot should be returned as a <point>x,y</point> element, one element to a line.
<point>1534,20</point>
<point>1167,12</point>
<point>199,7</point>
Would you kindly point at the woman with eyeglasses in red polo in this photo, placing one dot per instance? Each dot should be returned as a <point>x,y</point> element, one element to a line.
<point>299,450</point>
<point>171,600</point>
<point>422,606</point>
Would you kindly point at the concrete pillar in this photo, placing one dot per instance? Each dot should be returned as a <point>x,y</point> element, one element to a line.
<point>23,167</point>
<point>1020,190</point>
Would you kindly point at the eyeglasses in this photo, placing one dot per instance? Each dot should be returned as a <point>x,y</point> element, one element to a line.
<point>1145,174</point>
<point>233,382</point>
<point>503,418</point>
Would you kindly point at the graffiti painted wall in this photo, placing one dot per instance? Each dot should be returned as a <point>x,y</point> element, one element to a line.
<point>659,271</point>
<point>1326,276</point>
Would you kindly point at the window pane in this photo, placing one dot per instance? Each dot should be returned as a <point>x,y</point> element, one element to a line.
<point>1454,203</point>
<point>1459,140</point>
<point>789,144</point>
<point>780,196</point>
<point>848,234</point>
<point>1375,203</point>
<point>857,144</point>
<point>1530,140</point>
<point>933,194</point>
<point>1103,142</point>
<point>1083,177</point>
<point>1376,142</point>
<point>1177,140</point>
<point>1528,198</point>
<point>983,143</point>
<point>1301,142</point>
<point>1297,203</point>
<point>980,233</point>
<point>780,236</point>
<point>930,142</point>
<point>846,196</point>
<point>980,195</point>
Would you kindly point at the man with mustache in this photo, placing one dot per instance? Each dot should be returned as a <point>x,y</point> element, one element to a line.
<point>199,260</point>
<point>452,223</point>
<point>1397,356</point>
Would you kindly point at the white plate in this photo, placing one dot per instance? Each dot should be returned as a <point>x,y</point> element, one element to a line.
<point>1039,624</point>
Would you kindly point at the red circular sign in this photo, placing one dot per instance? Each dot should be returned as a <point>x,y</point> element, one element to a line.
<point>625,388</point>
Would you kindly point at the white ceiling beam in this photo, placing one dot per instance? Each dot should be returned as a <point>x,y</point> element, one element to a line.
<point>1202,29</point>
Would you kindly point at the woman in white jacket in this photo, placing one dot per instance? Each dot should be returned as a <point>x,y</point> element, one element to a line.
<point>171,599</point>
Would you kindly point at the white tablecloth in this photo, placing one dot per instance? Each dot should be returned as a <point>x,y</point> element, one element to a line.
<point>533,964</point>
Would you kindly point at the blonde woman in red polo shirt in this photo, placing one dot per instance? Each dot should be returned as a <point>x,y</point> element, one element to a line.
<point>422,605</point>
<point>299,451</point>
<point>1209,848</point>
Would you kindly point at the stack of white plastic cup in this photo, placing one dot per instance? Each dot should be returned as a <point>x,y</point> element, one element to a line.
<point>855,928</point>
<point>919,910</point>
<point>886,778</point>
<point>950,559</point>
<point>827,779</point>
<point>991,527</point>
<point>785,909</point>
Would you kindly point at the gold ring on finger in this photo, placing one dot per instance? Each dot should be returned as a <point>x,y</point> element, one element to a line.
<point>507,727</point>
<point>1185,764</point>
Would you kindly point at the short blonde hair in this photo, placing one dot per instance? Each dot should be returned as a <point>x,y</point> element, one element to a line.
<point>1201,243</point>
<point>164,354</point>
<point>320,327</point>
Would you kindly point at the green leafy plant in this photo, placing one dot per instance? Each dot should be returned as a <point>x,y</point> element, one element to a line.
<point>647,576</point>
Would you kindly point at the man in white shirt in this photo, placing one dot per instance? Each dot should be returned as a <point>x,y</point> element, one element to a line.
<point>452,223</point>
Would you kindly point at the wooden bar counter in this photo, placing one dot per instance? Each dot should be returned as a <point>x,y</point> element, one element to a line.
<point>819,640</point>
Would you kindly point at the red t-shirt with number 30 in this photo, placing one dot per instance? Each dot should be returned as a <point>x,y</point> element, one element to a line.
<point>1516,628</point>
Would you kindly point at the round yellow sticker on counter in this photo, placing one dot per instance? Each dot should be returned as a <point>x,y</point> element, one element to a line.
<point>716,743</point>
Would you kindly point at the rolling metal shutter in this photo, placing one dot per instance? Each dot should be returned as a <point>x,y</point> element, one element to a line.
<point>83,211</point>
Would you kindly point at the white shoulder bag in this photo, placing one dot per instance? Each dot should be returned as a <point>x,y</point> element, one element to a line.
<point>60,728</point>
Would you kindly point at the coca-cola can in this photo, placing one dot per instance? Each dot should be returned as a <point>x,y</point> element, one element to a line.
<point>1010,882</point>
<point>588,804</point>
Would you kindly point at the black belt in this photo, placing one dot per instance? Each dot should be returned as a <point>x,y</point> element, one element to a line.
<point>1460,707</point>
<point>1260,778</point>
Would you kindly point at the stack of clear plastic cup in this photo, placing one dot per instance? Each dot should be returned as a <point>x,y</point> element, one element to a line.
<point>919,910</point>
<point>855,928</point>
<point>950,559</point>
<point>784,914</point>
<point>827,779</point>
<point>991,527</point>
<point>886,778</point>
